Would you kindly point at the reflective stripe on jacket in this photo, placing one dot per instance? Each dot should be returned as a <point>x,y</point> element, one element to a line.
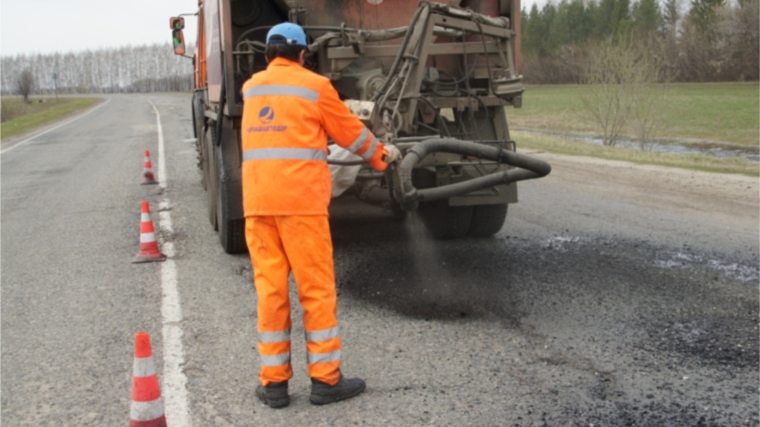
<point>288,114</point>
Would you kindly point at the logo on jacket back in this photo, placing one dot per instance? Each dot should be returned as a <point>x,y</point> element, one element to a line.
<point>266,115</point>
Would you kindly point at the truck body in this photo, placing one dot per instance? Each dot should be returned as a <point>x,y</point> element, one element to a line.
<point>432,78</point>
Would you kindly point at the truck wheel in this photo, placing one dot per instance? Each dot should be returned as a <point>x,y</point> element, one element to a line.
<point>212,177</point>
<point>441,220</point>
<point>198,116</point>
<point>446,222</point>
<point>487,220</point>
<point>202,163</point>
<point>198,127</point>
<point>398,213</point>
<point>231,231</point>
<point>203,153</point>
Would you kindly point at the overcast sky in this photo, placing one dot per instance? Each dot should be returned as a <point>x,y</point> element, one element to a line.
<point>527,4</point>
<point>46,26</point>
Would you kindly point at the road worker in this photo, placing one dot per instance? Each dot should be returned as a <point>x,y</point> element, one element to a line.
<point>288,114</point>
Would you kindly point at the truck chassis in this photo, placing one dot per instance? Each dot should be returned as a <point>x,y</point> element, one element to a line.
<point>431,78</point>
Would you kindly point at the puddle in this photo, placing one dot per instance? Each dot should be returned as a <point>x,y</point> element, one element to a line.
<point>672,146</point>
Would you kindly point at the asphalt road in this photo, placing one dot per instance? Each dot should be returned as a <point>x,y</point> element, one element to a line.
<point>614,296</point>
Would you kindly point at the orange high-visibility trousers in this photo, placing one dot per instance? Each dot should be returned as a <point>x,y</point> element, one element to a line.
<point>301,243</point>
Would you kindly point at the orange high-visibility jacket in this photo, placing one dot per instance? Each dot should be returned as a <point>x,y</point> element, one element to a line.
<point>288,113</point>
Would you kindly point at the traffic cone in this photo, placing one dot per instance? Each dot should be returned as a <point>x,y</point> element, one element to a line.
<point>148,246</point>
<point>148,178</point>
<point>147,410</point>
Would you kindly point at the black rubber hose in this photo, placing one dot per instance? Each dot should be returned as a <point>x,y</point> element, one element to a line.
<point>347,162</point>
<point>475,184</point>
<point>529,168</point>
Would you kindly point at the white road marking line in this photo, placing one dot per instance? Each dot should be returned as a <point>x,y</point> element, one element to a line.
<point>174,382</point>
<point>54,128</point>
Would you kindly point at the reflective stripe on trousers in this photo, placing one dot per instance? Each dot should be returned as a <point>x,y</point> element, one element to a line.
<point>333,356</point>
<point>276,360</point>
<point>274,336</point>
<point>301,243</point>
<point>278,337</point>
<point>319,345</point>
<point>324,334</point>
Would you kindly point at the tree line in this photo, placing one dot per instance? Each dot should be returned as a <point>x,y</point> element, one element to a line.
<point>146,68</point>
<point>703,40</point>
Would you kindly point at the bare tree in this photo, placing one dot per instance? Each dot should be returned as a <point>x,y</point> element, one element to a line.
<point>650,98</point>
<point>742,29</point>
<point>608,88</point>
<point>622,86</point>
<point>126,69</point>
<point>647,110</point>
<point>25,84</point>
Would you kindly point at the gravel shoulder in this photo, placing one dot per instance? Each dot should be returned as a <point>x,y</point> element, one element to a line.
<point>10,141</point>
<point>668,206</point>
<point>726,198</point>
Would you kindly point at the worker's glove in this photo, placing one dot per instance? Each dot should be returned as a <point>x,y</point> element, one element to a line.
<point>391,153</point>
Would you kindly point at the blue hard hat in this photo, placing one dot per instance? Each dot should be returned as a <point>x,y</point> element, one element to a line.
<point>293,34</point>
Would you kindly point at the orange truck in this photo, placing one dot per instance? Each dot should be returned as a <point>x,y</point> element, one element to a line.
<point>432,78</point>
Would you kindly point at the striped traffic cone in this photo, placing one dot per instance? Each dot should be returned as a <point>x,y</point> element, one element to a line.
<point>148,246</point>
<point>147,409</point>
<point>148,178</point>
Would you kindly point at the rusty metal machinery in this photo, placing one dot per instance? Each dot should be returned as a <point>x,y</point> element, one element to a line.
<point>436,87</point>
<point>433,78</point>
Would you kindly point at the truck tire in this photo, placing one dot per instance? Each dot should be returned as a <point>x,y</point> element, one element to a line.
<point>203,153</point>
<point>441,220</point>
<point>198,131</point>
<point>398,213</point>
<point>231,231</point>
<point>487,220</point>
<point>199,118</point>
<point>445,222</point>
<point>212,177</point>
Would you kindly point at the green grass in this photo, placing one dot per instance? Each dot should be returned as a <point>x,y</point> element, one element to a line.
<point>19,117</point>
<point>696,162</point>
<point>720,112</point>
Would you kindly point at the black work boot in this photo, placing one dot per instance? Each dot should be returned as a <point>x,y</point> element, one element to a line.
<point>346,388</point>
<point>274,394</point>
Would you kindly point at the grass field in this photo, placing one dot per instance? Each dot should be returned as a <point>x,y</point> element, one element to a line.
<point>18,117</point>
<point>695,162</point>
<point>720,112</point>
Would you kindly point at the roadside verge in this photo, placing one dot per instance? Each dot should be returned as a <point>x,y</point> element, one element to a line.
<point>50,123</point>
<point>693,162</point>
